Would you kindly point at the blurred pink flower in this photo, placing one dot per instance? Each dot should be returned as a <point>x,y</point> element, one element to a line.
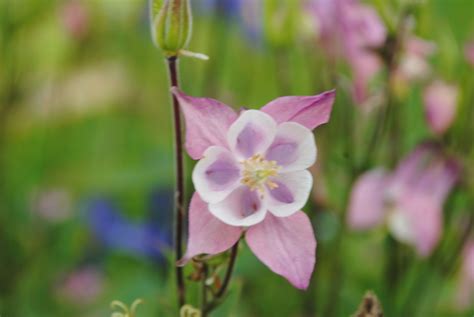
<point>465,292</point>
<point>82,286</point>
<point>366,206</point>
<point>440,102</point>
<point>469,52</point>
<point>353,31</point>
<point>409,200</point>
<point>252,178</point>
<point>413,63</point>
<point>75,18</point>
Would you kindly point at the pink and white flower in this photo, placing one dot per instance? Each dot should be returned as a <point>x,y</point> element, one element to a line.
<point>252,178</point>
<point>414,64</point>
<point>409,200</point>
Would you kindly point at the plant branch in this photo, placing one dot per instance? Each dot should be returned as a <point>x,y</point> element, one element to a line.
<point>230,269</point>
<point>179,194</point>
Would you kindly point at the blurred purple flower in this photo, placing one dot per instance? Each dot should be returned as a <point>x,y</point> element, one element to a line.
<point>227,7</point>
<point>150,238</point>
<point>440,102</point>
<point>251,19</point>
<point>469,52</point>
<point>75,18</point>
<point>82,286</point>
<point>409,200</point>
<point>351,30</point>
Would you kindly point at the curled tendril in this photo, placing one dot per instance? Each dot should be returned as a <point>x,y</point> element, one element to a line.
<point>125,311</point>
<point>189,311</point>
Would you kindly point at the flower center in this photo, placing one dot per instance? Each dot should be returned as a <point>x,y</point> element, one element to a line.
<point>257,172</point>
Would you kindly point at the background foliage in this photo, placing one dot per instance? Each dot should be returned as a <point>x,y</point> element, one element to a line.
<point>86,156</point>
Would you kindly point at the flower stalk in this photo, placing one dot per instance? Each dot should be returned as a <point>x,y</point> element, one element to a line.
<point>179,193</point>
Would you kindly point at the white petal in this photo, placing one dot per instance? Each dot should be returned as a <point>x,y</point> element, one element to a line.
<point>291,194</point>
<point>216,175</point>
<point>251,133</point>
<point>242,207</point>
<point>400,226</point>
<point>294,147</point>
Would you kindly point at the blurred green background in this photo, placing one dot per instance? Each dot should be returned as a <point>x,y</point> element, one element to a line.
<point>86,158</point>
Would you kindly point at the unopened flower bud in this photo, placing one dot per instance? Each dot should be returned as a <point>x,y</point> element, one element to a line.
<point>171,25</point>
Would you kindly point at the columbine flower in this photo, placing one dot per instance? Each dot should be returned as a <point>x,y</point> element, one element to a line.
<point>440,102</point>
<point>352,30</point>
<point>409,200</point>
<point>252,178</point>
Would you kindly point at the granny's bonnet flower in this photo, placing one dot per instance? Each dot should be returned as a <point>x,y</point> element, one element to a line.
<point>409,200</point>
<point>252,178</point>
<point>264,169</point>
<point>352,30</point>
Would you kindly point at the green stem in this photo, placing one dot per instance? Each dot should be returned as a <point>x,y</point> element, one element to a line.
<point>205,272</point>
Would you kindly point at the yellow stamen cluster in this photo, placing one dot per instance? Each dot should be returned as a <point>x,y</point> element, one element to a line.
<point>257,171</point>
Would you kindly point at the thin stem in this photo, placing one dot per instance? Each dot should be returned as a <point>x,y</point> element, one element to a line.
<point>380,123</point>
<point>225,284</point>
<point>390,53</point>
<point>205,272</point>
<point>230,269</point>
<point>424,280</point>
<point>179,194</point>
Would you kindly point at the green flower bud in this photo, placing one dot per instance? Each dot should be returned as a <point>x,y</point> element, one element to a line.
<point>171,25</point>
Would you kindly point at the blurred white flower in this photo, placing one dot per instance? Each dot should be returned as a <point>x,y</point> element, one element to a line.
<point>90,89</point>
<point>53,205</point>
